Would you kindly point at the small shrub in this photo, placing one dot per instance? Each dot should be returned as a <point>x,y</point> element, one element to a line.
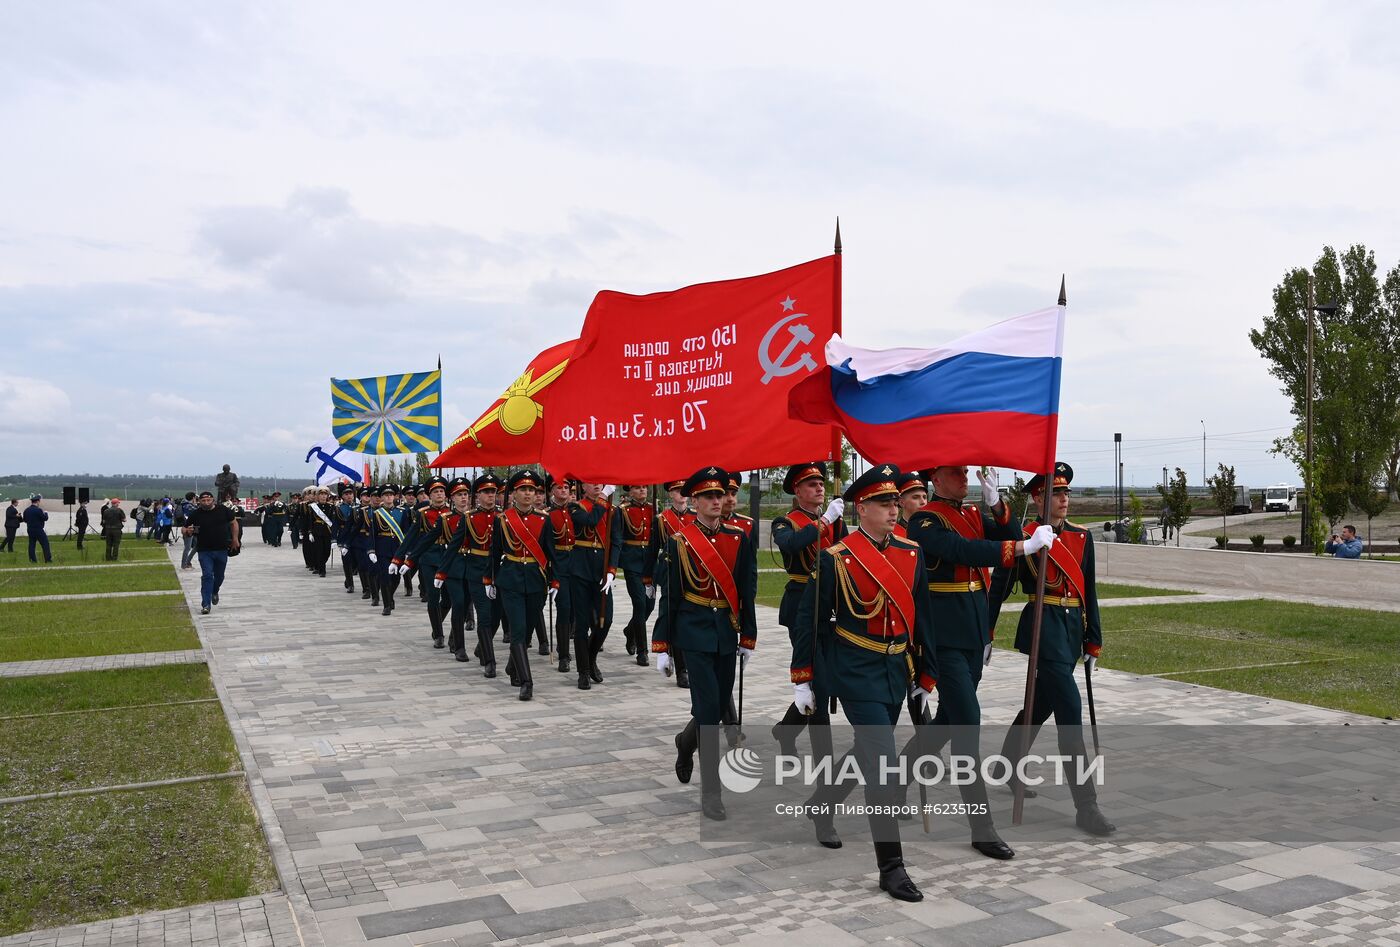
<point>1220,541</point>
<point>1289,542</point>
<point>1257,540</point>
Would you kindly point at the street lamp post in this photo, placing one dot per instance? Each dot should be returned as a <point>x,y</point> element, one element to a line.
<point>1203,456</point>
<point>1329,309</point>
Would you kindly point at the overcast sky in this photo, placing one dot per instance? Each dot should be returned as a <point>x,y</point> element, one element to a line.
<point>206,210</point>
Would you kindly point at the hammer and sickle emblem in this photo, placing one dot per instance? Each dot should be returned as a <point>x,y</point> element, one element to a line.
<point>778,367</point>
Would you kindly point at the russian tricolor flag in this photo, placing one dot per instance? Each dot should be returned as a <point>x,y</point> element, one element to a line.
<point>990,398</point>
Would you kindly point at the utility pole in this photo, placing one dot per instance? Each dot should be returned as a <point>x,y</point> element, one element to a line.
<point>1204,485</point>
<point>1308,443</point>
<point>1118,485</point>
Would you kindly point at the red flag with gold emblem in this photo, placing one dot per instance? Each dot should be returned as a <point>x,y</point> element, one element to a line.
<point>511,430</point>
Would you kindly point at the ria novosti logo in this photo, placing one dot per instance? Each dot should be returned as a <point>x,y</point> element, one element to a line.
<point>740,770</point>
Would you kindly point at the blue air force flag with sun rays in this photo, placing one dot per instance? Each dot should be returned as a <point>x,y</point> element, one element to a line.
<point>388,414</point>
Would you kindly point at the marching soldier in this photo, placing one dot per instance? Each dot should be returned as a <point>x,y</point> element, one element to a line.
<point>730,510</point>
<point>519,575</point>
<point>798,534</point>
<point>362,534</point>
<point>709,615</point>
<point>388,536</point>
<point>669,522</point>
<point>874,637</point>
<point>562,526</point>
<point>1069,629</point>
<point>454,576</point>
<point>294,519</point>
<point>320,532</point>
<point>476,547</point>
<point>631,536</point>
<point>412,514</point>
<point>424,550</point>
<point>593,580</point>
<point>344,524</point>
<point>961,543</point>
<point>913,494</point>
<point>276,518</point>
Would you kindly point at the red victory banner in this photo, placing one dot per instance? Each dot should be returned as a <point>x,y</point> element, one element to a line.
<point>510,432</point>
<point>670,382</point>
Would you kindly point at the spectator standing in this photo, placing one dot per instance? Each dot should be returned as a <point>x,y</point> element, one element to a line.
<point>12,521</point>
<point>138,516</point>
<point>1345,546</point>
<point>165,518</point>
<point>216,533</point>
<point>34,520</point>
<point>182,519</point>
<point>80,521</point>
<point>113,523</point>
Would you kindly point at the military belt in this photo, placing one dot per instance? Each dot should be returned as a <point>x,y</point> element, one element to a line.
<point>635,542</point>
<point>801,579</point>
<point>973,586</point>
<point>587,544</point>
<point>531,559</point>
<point>869,644</point>
<point>1068,601</point>
<point>715,603</point>
<point>473,552</point>
<point>558,548</point>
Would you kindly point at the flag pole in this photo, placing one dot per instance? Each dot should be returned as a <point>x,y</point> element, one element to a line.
<point>835,447</point>
<point>1047,488</point>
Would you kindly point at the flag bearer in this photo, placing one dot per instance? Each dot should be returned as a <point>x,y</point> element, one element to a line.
<point>562,527</point>
<point>520,575</point>
<point>631,536</point>
<point>453,576</point>
<point>593,580</point>
<point>424,549</point>
<point>874,644</point>
<point>1069,630</point>
<point>913,494</point>
<point>709,615</point>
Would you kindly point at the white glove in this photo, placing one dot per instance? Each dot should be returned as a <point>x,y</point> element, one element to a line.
<point>744,655</point>
<point>651,593</point>
<point>607,583</point>
<point>373,559</point>
<point>437,583</point>
<point>551,595</point>
<point>491,592</point>
<point>1042,538</point>
<point>834,509</point>
<point>344,550</point>
<point>990,493</point>
<point>987,654</point>
<point>607,490</point>
<point>804,699</point>
<point>393,569</point>
<point>663,663</point>
<point>923,698</point>
<point>1090,662</point>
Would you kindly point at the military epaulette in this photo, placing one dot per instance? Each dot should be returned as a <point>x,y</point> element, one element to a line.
<point>903,541</point>
<point>834,548</point>
<point>743,516</point>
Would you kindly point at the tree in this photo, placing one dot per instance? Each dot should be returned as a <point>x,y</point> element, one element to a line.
<point>1222,491</point>
<point>1135,527</point>
<point>1356,391</point>
<point>1017,498</point>
<point>1372,502</point>
<point>423,471</point>
<point>1176,503</point>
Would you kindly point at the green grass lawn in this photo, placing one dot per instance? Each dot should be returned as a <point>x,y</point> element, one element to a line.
<point>30,631</point>
<point>1349,657</point>
<point>67,861</point>
<point>158,576</point>
<point>770,589</point>
<point>66,553</point>
<point>81,858</point>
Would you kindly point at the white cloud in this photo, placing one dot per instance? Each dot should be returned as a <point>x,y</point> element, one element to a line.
<point>31,405</point>
<point>164,401</point>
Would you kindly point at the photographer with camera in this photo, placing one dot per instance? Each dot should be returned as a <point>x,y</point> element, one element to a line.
<point>216,532</point>
<point>1345,546</point>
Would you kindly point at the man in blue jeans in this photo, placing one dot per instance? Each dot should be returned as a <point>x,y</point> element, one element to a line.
<point>216,533</point>
<point>34,520</point>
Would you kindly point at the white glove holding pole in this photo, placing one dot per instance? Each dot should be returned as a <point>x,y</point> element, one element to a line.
<point>373,559</point>
<point>923,698</point>
<point>744,655</point>
<point>804,699</point>
<point>491,592</point>
<point>663,663</point>
<point>437,583</point>
<point>834,510</point>
<point>1090,662</point>
<point>551,595</point>
<point>991,494</point>
<point>651,593</point>
<point>607,490</point>
<point>1042,538</point>
<point>607,583</point>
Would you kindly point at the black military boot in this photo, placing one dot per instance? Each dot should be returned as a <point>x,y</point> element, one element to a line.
<point>595,644</point>
<point>643,645</point>
<point>488,655</point>
<point>372,580</point>
<point>365,590</point>
<point>785,731</point>
<point>458,641</point>
<point>565,636</point>
<point>823,823</point>
<point>711,801</point>
<point>520,654</point>
<point>686,742</point>
<point>682,676</point>
<point>581,656</point>
<point>407,583</point>
<point>435,620</point>
<point>388,595</point>
<point>543,641</point>
<point>1011,751</point>
<point>889,857</point>
<point>986,840</point>
<point>422,591</point>
<point>471,618</point>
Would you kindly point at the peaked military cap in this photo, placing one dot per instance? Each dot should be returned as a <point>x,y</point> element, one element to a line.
<point>706,480</point>
<point>1064,474</point>
<point>458,485</point>
<point>487,481</point>
<point>798,473</point>
<point>389,488</point>
<point>345,488</point>
<point>909,481</point>
<point>734,480</point>
<point>877,482</point>
<point>434,482</point>
<point>674,485</point>
<point>523,478</point>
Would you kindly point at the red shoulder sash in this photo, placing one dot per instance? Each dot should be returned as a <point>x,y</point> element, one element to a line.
<point>673,522</point>
<point>528,538</point>
<point>1066,559</point>
<point>714,564</point>
<point>873,561</point>
<point>959,524</point>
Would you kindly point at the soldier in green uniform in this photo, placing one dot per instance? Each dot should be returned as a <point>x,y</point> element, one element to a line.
<point>913,494</point>
<point>961,544</point>
<point>461,568</point>
<point>593,573</point>
<point>798,534</point>
<point>669,521</point>
<point>631,536</point>
<point>1069,630</point>
<point>709,615</point>
<point>520,572</point>
<point>476,546</point>
<point>562,526</point>
<point>875,649</point>
<point>424,549</point>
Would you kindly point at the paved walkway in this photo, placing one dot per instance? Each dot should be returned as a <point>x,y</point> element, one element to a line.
<point>409,801</point>
<point>104,662</point>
